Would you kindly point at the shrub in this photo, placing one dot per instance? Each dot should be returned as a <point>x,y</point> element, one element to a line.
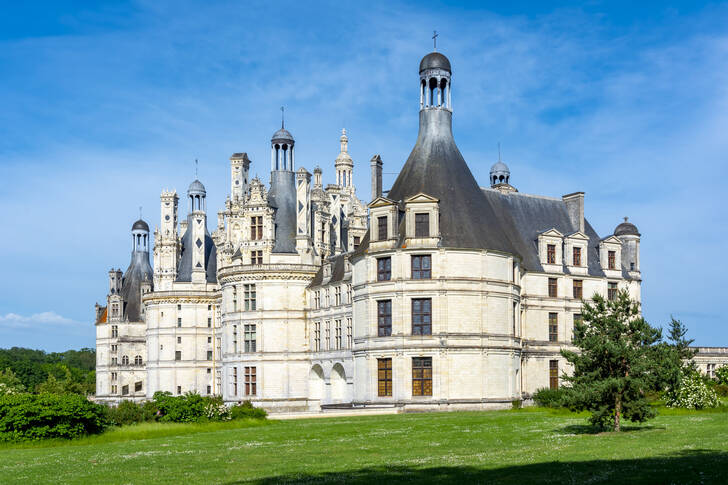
<point>693,393</point>
<point>34,417</point>
<point>246,410</point>
<point>549,398</point>
<point>721,375</point>
<point>721,390</point>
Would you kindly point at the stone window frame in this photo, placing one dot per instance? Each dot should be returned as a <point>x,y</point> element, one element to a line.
<point>384,377</point>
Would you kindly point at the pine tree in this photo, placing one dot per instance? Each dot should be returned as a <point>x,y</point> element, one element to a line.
<point>617,362</point>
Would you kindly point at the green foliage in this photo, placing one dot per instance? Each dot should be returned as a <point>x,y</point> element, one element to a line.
<point>246,410</point>
<point>617,364</point>
<point>721,375</point>
<point>9,383</point>
<point>549,398</point>
<point>34,417</point>
<point>129,412</point>
<point>190,408</point>
<point>675,358</point>
<point>32,367</point>
<point>693,393</point>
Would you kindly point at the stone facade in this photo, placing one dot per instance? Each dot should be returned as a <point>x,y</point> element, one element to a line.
<point>438,294</point>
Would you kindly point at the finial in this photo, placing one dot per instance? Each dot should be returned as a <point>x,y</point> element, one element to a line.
<point>499,157</point>
<point>626,218</point>
<point>434,40</point>
<point>196,177</point>
<point>282,117</point>
<point>140,212</point>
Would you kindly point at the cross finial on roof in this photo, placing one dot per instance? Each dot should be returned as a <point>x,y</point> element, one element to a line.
<point>434,39</point>
<point>499,158</point>
<point>282,118</point>
<point>626,218</point>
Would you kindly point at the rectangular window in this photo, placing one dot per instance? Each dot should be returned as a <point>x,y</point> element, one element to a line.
<point>114,331</point>
<point>114,348</point>
<point>382,228</point>
<point>357,242</point>
<point>177,355</point>
<point>611,259</point>
<point>422,376</point>
<point>384,269</point>
<point>209,390</point>
<point>384,377</point>
<point>250,338</point>
<point>337,334</point>
<point>422,225</point>
<point>349,295</point>
<point>113,376</point>
<point>235,298</point>
<point>209,308</point>
<point>327,329</point>
<point>577,257</point>
<point>317,300</point>
<point>327,299</point>
<point>125,390</point>
<point>349,341</point>
<point>256,228</point>
<point>337,296</point>
<point>209,370</point>
<point>577,320</point>
<point>421,267</point>
<point>114,389</point>
<point>553,374</point>
<point>611,291</point>
<point>551,253</point>
<point>250,296</point>
<point>251,382</point>
<point>235,339</point>
<point>317,336</point>
<point>179,323</point>
<point>235,381</point>
<point>209,355</point>
<point>209,340</point>
<point>421,316</point>
<point>578,290</point>
<point>553,287</point>
<point>710,370</point>
<point>256,257</point>
<point>137,386</point>
<point>209,322</point>
<point>384,318</point>
<point>553,327</point>
<point>114,361</point>
<point>179,340</point>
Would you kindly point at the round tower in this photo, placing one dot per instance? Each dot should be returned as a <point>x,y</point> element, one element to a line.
<point>197,194</point>
<point>630,237</point>
<point>282,195</point>
<point>499,174</point>
<point>140,236</point>
<point>282,156</point>
<point>435,74</point>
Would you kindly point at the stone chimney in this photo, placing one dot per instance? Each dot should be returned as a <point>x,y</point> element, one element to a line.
<point>575,208</point>
<point>376,164</point>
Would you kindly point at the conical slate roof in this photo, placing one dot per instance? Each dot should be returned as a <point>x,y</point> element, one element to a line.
<point>436,167</point>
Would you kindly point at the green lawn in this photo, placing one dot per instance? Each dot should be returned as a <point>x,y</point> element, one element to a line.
<point>520,447</point>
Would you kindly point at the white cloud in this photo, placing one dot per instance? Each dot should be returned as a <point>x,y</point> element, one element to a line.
<point>13,320</point>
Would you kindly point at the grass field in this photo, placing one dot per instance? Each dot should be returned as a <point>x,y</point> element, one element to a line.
<point>527,446</point>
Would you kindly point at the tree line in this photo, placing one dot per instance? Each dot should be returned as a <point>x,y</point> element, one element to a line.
<point>37,371</point>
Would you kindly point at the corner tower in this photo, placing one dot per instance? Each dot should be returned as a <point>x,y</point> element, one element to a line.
<point>282,195</point>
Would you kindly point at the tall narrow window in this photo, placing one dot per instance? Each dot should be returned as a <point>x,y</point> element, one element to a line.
<point>551,253</point>
<point>317,336</point>
<point>578,289</point>
<point>235,339</point>
<point>382,228</point>
<point>577,257</point>
<point>209,355</point>
<point>422,225</point>
<point>337,296</point>
<point>337,334</point>
<point>349,295</point>
<point>553,327</point>
<point>250,297</point>
<point>235,298</point>
<point>422,376</point>
<point>421,267</point>
<point>421,316</point>
<point>384,318</point>
<point>235,381</point>
<point>256,228</point>
<point>251,381</point>
<point>327,330</point>
<point>179,323</point>
<point>250,338</point>
<point>177,355</point>
<point>114,331</point>
<point>384,377</point>
<point>611,291</point>
<point>611,259</point>
<point>553,287</point>
<point>553,374</point>
<point>384,269</point>
<point>125,360</point>
<point>578,319</point>
<point>138,360</point>
<point>349,336</point>
<point>256,257</point>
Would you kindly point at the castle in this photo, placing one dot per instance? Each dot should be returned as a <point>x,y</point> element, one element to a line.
<point>437,294</point>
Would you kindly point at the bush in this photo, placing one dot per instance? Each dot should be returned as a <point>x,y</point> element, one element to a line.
<point>190,408</point>
<point>129,412</point>
<point>721,390</point>
<point>246,410</point>
<point>34,417</point>
<point>721,375</point>
<point>693,393</point>
<point>549,398</point>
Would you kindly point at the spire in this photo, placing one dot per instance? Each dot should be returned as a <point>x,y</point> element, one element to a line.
<point>283,120</point>
<point>344,141</point>
<point>434,40</point>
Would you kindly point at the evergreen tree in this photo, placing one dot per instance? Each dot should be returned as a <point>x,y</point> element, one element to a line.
<point>617,362</point>
<point>677,357</point>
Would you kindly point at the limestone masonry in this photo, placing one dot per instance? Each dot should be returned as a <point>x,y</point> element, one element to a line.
<point>438,294</point>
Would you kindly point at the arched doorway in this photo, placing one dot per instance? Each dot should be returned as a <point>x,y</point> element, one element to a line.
<point>316,383</point>
<point>338,384</point>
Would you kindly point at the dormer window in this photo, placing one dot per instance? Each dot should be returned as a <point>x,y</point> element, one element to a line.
<point>256,228</point>
<point>382,228</point>
<point>551,253</point>
<point>422,225</point>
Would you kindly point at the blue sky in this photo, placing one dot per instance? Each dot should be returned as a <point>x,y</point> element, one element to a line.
<point>104,105</point>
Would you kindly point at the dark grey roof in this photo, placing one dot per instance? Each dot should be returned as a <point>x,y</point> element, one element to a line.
<point>436,167</point>
<point>282,135</point>
<point>140,225</point>
<point>139,271</point>
<point>184,269</point>
<point>435,60</point>
<point>626,228</point>
<point>338,271</point>
<point>527,216</point>
<point>196,187</point>
<point>282,197</point>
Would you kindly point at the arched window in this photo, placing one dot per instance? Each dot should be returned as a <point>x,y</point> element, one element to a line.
<point>125,360</point>
<point>138,360</point>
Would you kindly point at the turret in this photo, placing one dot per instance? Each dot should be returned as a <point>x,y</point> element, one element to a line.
<point>138,275</point>
<point>344,164</point>
<point>239,167</point>
<point>630,237</point>
<point>166,243</point>
<point>282,195</point>
<point>197,223</point>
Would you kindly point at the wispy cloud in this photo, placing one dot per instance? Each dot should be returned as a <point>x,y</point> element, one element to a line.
<point>37,320</point>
